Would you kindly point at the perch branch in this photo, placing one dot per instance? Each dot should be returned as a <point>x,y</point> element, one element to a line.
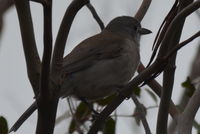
<point>30,50</point>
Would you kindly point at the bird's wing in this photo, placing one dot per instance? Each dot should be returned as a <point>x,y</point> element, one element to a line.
<point>87,53</point>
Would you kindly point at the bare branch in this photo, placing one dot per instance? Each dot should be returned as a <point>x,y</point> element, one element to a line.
<point>182,44</point>
<point>46,59</point>
<point>95,15</point>
<point>187,117</point>
<point>168,80</point>
<point>24,117</point>
<point>162,30</point>
<point>142,10</point>
<point>31,54</point>
<point>47,106</point>
<point>62,37</point>
<point>141,113</point>
<point>157,88</point>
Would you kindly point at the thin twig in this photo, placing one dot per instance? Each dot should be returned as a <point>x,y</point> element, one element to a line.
<point>95,15</point>
<point>141,113</point>
<point>62,37</point>
<point>162,30</point>
<point>182,44</point>
<point>24,117</point>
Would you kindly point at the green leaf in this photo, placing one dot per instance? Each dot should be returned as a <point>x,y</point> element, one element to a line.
<point>190,88</point>
<point>82,114</point>
<point>196,126</point>
<point>153,96</point>
<point>72,126</point>
<point>137,91</point>
<point>82,111</point>
<point>105,101</point>
<point>3,125</point>
<point>109,126</point>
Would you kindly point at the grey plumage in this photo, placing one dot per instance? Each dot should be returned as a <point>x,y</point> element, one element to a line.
<point>103,63</point>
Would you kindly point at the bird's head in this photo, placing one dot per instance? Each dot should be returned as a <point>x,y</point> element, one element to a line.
<point>127,25</point>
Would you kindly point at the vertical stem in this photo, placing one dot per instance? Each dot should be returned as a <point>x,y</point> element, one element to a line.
<point>47,105</point>
<point>29,45</point>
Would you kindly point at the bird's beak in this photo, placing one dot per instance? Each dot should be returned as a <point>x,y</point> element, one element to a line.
<point>143,31</point>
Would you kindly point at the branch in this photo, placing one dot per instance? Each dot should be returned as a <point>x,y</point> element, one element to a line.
<point>47,106</point>
<point>62,37</point>
<point>95,15</point>
<point>157,88</point>
<point>168,80</point>
<point>191,105</point>
<point>182,44</point>
<point>30,50</point>
<point>142,10</point>
<point>187,117</point>
<point>44,80</point>
<point>141,113</point>
<point>162,30</point>
<point>24,117</point>
<point>72,9</point>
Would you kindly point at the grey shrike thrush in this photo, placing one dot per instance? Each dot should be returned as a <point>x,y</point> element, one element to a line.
<point>103,63</point>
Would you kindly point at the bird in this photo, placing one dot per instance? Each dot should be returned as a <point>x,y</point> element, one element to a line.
<point>103,64</point>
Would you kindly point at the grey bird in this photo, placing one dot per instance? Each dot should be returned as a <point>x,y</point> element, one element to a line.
<point>102,64</point>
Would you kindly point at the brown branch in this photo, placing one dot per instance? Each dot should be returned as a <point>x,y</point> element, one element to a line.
<point>72,9</point>
<point>186,119</point>
<point>162,30</point>
<point>142,10</point>
<point>44,80</point>
<point>141,113</point>
<point>182,44</point>
<point>157,88</point>
<point>62,37</point>
<point>95,15</point>
<point>30,50</point>
<point>47,106</point>
<point>169,72</point>
<point>24,117</point>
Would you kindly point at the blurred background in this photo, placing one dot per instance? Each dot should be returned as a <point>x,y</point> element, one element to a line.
<point>16,94</point>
